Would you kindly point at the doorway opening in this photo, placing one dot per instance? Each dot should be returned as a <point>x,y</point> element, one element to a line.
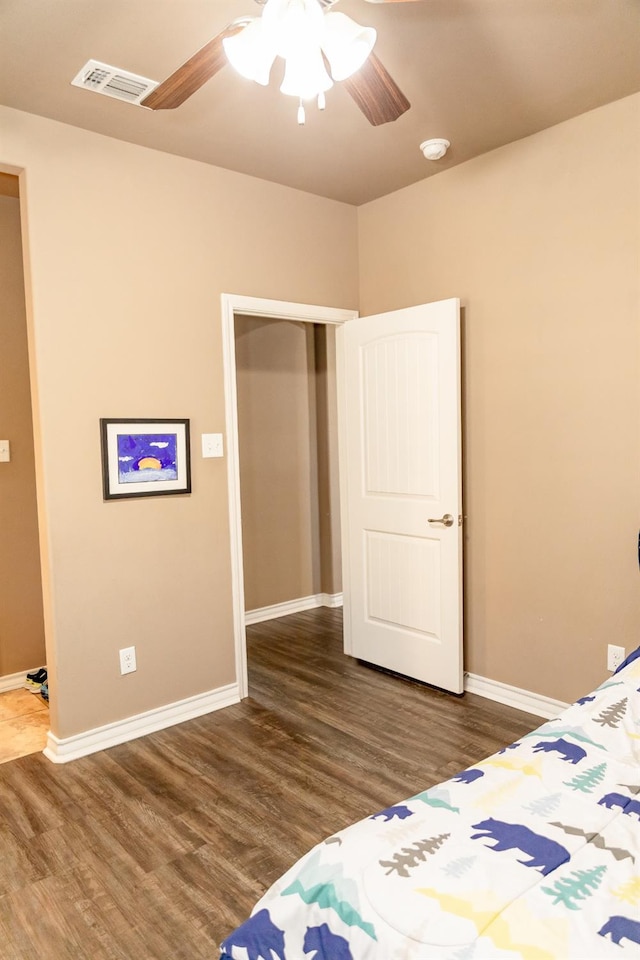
<point>288,453</point>
<point>24,719</point>
<point>246,329</point>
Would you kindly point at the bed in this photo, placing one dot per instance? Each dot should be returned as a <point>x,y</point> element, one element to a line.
<point>532,853</point>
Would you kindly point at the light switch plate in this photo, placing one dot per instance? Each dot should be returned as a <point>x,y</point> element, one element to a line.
<point>5,453</point>
<point>212,445</point>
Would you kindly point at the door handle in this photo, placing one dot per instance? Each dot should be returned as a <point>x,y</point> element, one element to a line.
<point>447,520</point>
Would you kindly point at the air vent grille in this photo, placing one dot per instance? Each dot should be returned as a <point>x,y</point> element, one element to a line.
<point>112,82</point>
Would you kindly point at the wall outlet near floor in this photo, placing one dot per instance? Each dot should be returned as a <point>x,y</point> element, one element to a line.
<point>128,660</point>
<point>615,656</point>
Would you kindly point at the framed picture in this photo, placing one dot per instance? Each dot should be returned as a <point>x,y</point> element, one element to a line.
<point>144,458</point>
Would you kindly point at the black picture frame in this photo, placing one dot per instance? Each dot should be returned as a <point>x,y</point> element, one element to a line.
<point>144,457</point>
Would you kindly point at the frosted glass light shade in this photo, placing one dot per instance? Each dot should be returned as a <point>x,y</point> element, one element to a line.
<point>305,75</point>
<point>251,52</point>
<point>294,23</point>
<point>300,32</point>
<point>346,44</point>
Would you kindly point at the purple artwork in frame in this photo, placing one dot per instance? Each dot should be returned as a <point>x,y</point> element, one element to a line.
<point>142,458</point>
<point>147,457</point>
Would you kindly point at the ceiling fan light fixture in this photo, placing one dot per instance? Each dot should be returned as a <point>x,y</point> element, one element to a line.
<point>310,38</point>
<point>346,44</point>
<point>251,53</point>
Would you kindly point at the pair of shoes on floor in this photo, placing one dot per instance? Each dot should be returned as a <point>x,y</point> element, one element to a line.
<point>44,691</point>
<point>35,679</point>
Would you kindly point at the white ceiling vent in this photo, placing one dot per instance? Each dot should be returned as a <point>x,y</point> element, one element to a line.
<point>112,82</point>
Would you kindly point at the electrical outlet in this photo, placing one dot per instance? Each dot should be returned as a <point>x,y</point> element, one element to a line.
<point>128,660</point>
<point>615,656</point>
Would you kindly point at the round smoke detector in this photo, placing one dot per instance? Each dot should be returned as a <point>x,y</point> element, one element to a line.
<point>434,149</point>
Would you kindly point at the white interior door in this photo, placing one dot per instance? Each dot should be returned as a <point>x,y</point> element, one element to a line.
<point>401,499</point>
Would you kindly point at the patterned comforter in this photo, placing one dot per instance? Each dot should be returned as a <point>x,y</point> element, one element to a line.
<point>533,853</point>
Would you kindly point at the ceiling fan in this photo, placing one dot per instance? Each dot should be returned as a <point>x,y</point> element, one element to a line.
<point>371,87</point>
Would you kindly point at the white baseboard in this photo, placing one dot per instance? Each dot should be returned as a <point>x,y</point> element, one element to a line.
<point>330,599</point>
<point>62,750</point>
<point>292,606</point>
<point>14,681</point>
<point>101,738</point>
<point>514,697</point>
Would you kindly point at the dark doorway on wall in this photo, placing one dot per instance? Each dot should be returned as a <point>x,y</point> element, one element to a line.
<point>285,379</point>
<point>24,717</point>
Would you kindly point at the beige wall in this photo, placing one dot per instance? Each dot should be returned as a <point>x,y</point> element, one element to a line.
<point>541,240</point>
<point>275,362</point>
<point>129,252</point>
<point>21,620</point>
<point>286,428</point>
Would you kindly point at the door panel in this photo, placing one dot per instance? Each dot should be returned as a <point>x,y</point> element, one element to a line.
<point>399,394</point>
<point>400,404</point>
<point>402,580</point>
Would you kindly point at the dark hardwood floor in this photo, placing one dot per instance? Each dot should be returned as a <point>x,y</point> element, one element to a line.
<point>156,849</point>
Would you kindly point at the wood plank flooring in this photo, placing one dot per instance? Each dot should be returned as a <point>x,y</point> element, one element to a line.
<point>156,849</point>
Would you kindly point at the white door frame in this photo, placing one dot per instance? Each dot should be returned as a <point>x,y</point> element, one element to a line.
<point>232,304</point>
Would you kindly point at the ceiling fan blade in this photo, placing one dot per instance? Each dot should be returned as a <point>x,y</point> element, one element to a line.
<point>376,92</point>
<point>193,74</point>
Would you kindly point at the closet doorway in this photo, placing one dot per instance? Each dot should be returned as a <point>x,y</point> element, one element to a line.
<point>288,460</point>
<point>281,459</point>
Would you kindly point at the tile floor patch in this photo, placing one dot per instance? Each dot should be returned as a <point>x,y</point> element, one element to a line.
<point>24,722</point>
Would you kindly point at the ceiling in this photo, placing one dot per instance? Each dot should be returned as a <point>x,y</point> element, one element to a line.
<point>480,73</point>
